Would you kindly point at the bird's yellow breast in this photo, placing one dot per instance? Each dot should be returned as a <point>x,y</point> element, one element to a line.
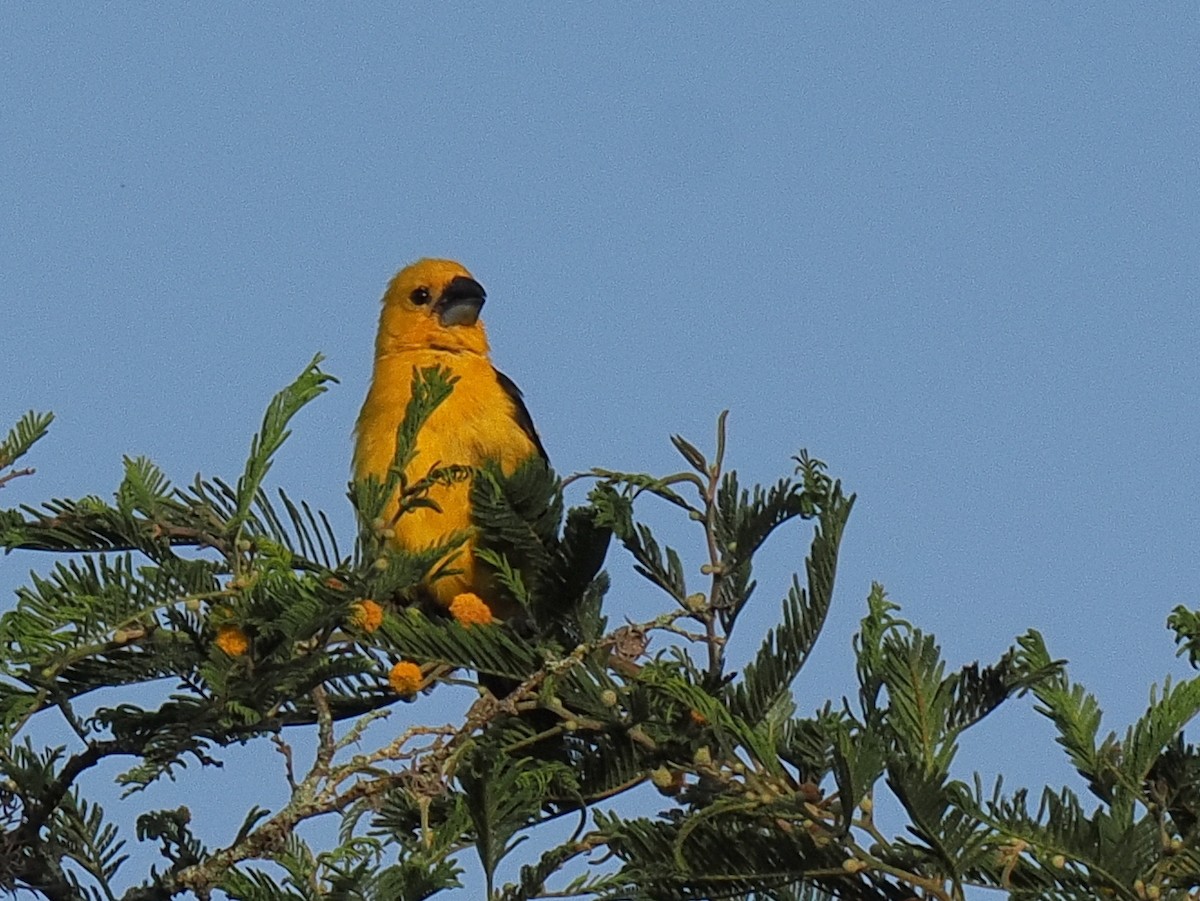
<point>476,423</point>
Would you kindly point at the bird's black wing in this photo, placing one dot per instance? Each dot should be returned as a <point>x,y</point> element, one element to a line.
<point>524,420</point>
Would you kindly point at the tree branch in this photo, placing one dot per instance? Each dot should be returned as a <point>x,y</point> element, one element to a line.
<point>16,474</point>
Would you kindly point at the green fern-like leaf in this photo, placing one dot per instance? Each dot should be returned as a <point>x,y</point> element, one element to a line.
<point>1148,738</point>
<point>310,384</point>
<point>30,429</point>
<point>1105,854</point>
<point>782,654</point>
<point>518,518</point>
<point>487,649</point>
<point>252,884</point>
<point>92,843</point>
<point>503,796</point>
<point>725,856</point>
<point>144,489</point>
<point>1185,623</point>
<point>1076,715</point>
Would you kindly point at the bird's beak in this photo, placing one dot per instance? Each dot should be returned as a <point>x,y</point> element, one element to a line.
<point>461,302</point>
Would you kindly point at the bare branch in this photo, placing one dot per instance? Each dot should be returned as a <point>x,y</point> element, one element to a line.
<point>16,474</point>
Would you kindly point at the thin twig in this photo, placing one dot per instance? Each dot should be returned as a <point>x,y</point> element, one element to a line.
<point>286,750</point>
<point>16,474</point>
<point>715,656</point>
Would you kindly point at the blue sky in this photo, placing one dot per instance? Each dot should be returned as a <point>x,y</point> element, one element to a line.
<point>950,249</point>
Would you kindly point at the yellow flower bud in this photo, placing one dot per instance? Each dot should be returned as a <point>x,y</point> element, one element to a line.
<point>365,614</point>
<point>470,610</point>
<point>232,640</point>
<point>405,678</point>
<point>662,778</point>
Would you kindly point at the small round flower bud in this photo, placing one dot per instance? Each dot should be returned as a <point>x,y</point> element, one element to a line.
<point>469,609</point>
<point>232,640</point>
<point>702,757</point>
<point>662,778</point>
<point>696,602</point>
<point>608,698</point>
<point>405,678</point>
<point>381,564</point>
<point>367,615</point>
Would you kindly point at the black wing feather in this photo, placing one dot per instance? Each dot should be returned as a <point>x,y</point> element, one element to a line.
<point>524,420</point>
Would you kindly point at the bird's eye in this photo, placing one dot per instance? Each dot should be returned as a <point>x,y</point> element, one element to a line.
<point>420,296</point>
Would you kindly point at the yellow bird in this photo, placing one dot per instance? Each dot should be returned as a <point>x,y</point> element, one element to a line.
<point>430,317</point>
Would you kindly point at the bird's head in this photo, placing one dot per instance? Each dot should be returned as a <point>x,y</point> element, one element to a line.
<point>433,304</point>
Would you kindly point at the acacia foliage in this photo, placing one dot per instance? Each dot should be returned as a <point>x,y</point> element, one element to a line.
<point>760,799</point>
